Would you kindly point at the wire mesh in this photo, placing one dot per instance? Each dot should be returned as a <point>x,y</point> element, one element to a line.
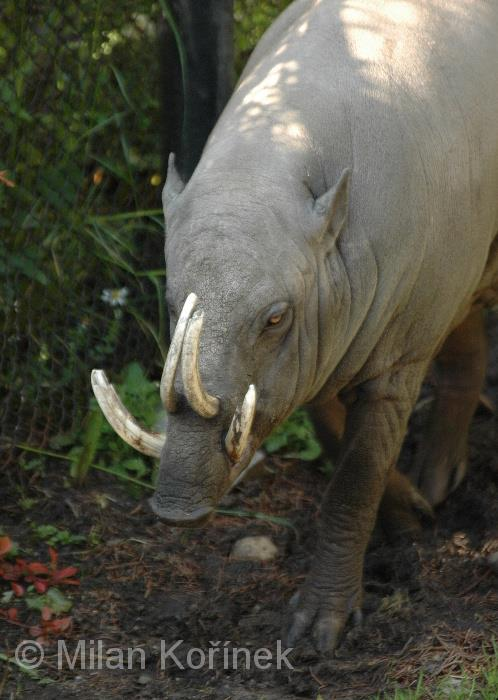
<point>81,250</point>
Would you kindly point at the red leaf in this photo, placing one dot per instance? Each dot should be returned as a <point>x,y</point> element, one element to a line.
<point>10,572</point>
<point>5,545</point>
<point>49,626</point>
<point>40,586</point>
<point>11,615</point>
<point>65,573</point>
<point>17,588</point>
<point>20,566</point>
<point>36,567</point>
<point>60,625</point>
<point>53,557</point>
<point>46,613</point>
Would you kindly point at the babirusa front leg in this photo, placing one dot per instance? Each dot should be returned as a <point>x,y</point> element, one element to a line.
<point>375,427</point>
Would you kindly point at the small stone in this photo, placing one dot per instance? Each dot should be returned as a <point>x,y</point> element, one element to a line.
<point>450,687</point>
<point>492,560</point>
<point>144,678</point>
<point>254,549</point>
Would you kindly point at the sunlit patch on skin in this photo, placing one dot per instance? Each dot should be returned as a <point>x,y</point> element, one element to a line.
<point>266,92</point>
<point>402,12</point>
<point>290,132</point>
<point>389,31</point>
<point>365,44</point>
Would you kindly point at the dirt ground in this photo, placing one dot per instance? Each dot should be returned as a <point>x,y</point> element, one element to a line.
<point>430,606</point>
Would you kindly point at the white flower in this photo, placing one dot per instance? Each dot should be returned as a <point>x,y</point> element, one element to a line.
<point>115,297</point>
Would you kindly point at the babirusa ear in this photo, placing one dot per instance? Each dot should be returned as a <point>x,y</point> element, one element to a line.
<point>174,184</point>
<point>331,209</point>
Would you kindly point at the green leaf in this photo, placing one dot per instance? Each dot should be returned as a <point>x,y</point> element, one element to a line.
<point>91,437</point>
<point>122,86</point>
<point>274,519</point>
<point>135,465</point>
<point>6,597</point>
<point>54,537</point>
<point>53,599</point>
<point>134,379</point>
<point>295,438</point>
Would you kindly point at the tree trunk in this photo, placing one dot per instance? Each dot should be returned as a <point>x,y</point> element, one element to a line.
<point>191,104</point>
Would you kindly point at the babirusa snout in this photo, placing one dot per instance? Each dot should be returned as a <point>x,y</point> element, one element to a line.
<point>202,403</point>
<point>185,347</point>
<point>168,395</point>
<point>240,429</point>
<point>121,419</point>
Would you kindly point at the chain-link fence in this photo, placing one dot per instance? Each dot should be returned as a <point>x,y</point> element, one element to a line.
<point>81,261</point>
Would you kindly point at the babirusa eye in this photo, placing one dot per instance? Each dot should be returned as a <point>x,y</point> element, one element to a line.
<point>275,319</point>
<point>276,314</point>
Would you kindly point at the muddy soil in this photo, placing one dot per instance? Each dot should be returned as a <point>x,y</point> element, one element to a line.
<point>430,606</point>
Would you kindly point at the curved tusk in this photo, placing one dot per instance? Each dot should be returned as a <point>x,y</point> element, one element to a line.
<point>121,419</point>
<point>240,428</point>
<point>168,396</point>
<point>205,405</point>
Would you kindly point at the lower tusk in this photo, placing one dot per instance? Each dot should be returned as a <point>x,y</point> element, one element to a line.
<point>205,405</point>
<point>240,429</point>
<point>168,396</point>
<point>239,472</point>
<point>121,419</point>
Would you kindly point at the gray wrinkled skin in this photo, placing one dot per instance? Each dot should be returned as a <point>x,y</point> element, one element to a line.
<point>400,99</point>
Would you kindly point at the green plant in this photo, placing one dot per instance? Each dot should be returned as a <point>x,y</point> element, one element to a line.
<point>35,586</point>
<point>98,444</point>
<point>32,464</point>
<point>295,438</point>
<point>252,18</point>
<point>79,204</point>
<point>460,685</point>
<point>26,502</point>
<point>55,536</point>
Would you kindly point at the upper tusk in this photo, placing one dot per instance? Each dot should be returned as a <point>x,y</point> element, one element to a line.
<point>205,405</point>
<point>167,390</point>
<point>240,429</point>
<point>121,419</point>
